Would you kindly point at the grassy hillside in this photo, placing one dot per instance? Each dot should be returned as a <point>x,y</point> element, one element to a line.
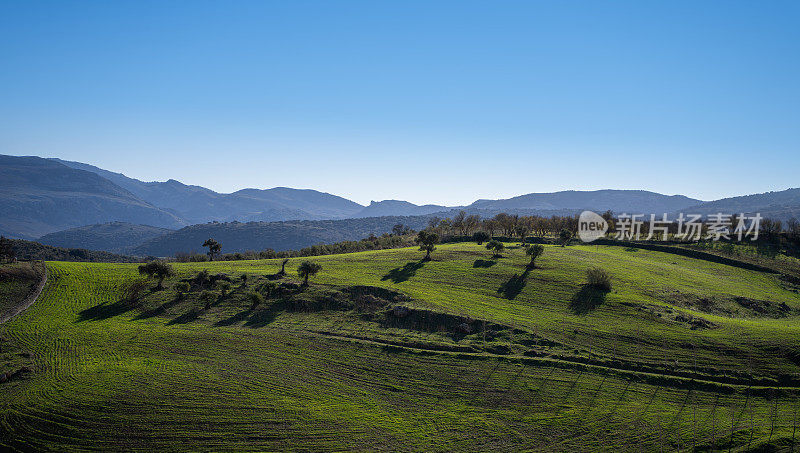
<point>387,352</point>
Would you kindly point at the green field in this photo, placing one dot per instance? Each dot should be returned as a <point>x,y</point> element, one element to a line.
<point>682,354</point>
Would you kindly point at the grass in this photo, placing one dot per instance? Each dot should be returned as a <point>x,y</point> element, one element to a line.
<point>563,368</point>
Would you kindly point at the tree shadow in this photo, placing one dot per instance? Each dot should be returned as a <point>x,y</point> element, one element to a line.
<point>105,311</point>
<point>483,263</point>
<point>186,317</point>
<point>511,288</point>
<point>261,318</point>
<point>158,310</point>
<point>238,317</point>
<point>587,299</point>
<point>401,274</point>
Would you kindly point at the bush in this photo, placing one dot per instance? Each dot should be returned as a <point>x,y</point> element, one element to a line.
<point>181,288</point>
<point>599,278</point>
<point>480,237</point>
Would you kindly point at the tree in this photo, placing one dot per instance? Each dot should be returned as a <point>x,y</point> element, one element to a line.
<point>306,269</point>
<point>214,248</point>
<point>534,251</point>
<point>283,266</point>
<point>565,235</point>
<point>244,279</point>
<point>255,300</point>
<point>400,229</point>
<point>480,237</point>
<point>495,246</point>
<point>7,250</point>
<point>427,243</point>
<point>157,269</point>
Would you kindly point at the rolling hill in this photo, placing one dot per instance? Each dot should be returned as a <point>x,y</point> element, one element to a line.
<point>630,201</point>
<point>386,352</point>
<point>116,237</point>
<point>256,236</point>
<point>781,205</point>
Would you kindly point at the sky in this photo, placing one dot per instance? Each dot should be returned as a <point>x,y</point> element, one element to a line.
<point>431,102</point>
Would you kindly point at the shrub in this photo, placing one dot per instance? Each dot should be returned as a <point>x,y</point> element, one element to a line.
<point>255,300</point>
<point>182,288</point>
<point>207,297</point>
<point>224,287</point>
<point>599,278</point>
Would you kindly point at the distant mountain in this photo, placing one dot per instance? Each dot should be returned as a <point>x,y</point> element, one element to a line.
<point>290,235</point>
<point>398,208</point>
<point>782,205</point>
<point>619,201</point>
<point>116,237</point>
<point>197,204</point>
<point>39,196</point>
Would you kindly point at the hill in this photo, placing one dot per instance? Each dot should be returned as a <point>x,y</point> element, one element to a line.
<point>256,236</point>
<point>782,205</point>
<point>399,208</point>
<point>35,251</point>
<point>39,196</point>
<point>115,237</point>
<point>630,201</point>
<point>197,204</point>
<point>386,352</point>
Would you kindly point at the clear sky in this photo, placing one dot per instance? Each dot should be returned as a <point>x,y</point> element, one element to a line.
<point>430,101</point>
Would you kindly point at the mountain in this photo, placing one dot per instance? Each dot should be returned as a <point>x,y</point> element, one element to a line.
<point>114,237</point>
<point>40,196</point>
<point>289,235</point>
<point>782,205</point>
<point>398,208</point>
<point>197,204</point>
<point>619,201</point>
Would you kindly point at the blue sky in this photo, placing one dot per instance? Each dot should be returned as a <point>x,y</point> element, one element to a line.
<point>432,102</point>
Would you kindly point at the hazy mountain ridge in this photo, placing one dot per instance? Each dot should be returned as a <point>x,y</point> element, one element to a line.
<point>196,204</point>
<point>39,196</point>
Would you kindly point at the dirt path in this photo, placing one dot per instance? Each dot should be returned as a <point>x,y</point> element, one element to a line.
<point>28,301</point>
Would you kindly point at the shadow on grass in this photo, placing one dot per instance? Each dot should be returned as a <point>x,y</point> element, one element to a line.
<point>105,311</point>
<point>511,288</point>
<point>587,299</point>
<point>401,274</point>
<point>261,318</point>
<point>484,263</point>
<point>186,317</point>
<point>238,317</point>
<point>159,310</point>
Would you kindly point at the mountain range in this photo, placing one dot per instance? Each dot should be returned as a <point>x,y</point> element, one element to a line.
<point>74,204</point>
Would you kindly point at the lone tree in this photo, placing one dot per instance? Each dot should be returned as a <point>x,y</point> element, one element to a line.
<point>496,246</point>
<point>283,266</point>
<point>207,297</point>
<point>7,250</point>
<point>214,248</point>
<point>427,243</point>
<point>157,269</point>
<point>181,288</point>
<point>307,269</point>
<point>565,235</point>
<point>480,237</point>
<point>534,251</point>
